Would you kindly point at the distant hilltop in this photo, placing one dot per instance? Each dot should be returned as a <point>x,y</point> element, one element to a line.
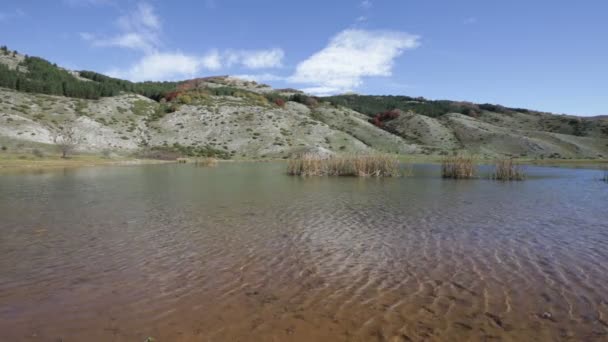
<point>229,117</point>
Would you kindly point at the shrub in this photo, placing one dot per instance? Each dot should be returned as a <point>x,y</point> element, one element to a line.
<point>4,148</point>
<point>177,150</point>
<point>507,170</point>
<point>184,99</point>
<point>380,118</point>
<point>310,164</point>
<point>280,102</point>
<point>37,153</point>
<point>458,167</point>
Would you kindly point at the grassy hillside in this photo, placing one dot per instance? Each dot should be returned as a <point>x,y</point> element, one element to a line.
<point>228,117</point>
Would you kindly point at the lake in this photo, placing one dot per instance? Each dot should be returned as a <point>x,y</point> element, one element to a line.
<point>243,252</point>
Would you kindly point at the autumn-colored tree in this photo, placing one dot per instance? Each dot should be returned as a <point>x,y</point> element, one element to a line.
<point>380,118</point>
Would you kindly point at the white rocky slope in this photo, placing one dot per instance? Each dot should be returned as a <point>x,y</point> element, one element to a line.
<point>232,124</point>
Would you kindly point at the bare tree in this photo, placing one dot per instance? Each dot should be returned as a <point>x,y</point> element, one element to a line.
<point>66,139</point>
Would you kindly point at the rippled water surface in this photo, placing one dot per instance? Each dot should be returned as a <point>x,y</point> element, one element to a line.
<point>243,252</point>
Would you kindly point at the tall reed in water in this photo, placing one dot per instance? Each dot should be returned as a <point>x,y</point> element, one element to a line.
<point>206,162</point>
<point>458,167</point>
<point>376,165</point>
<point>605,179</point>
<point>506,169</point>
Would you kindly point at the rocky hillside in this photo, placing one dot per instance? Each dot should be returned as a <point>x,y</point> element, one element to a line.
<point>233,118</point>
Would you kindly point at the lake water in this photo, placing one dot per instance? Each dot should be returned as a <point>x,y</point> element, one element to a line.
<point>243,252</point>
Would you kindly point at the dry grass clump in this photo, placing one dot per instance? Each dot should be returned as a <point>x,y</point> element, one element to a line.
<point>206,162</point>
<point>458,167</point>
<point>506,169</point>
<point>310,164</point>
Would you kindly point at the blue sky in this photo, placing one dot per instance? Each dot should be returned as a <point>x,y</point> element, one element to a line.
<point>541,54</point>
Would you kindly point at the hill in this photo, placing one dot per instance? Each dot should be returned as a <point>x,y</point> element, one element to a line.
<point>233,118</point>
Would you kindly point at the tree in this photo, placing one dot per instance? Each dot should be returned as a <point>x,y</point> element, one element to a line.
<point>66,138</point>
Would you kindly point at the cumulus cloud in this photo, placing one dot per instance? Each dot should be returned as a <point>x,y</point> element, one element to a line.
<point>256,59</point>
<point>161,66</point>
<point>212,60</point>
<point>266,77</point>
<point>176,65</point>
<point>349,57</point>
<point>366,4</point>
<point>139,30</point>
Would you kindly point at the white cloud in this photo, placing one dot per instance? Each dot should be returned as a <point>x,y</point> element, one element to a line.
<point>131,40</point>
<point>366,4</point>
<point>350,56</point>
<point>140,30</point>
<point>143,18</point>
<point>256,59</point>
<point>212,60</point>
<point>161,66</point>
<point>261,77</point>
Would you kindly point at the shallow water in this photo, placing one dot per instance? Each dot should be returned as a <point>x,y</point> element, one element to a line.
<point>243,252</point>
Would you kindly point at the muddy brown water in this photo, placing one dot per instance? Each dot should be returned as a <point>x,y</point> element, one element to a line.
<point>242,252</point>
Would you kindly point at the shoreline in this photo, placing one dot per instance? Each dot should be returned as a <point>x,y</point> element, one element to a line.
<point>23,162</point>
<point>17,162</point>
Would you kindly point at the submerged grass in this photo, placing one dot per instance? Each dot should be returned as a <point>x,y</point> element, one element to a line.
<point>506,169</point>
<point>458,167</point>
<point>377,165</point>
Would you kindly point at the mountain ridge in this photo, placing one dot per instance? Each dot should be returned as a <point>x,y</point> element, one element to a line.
<point>233,118</point>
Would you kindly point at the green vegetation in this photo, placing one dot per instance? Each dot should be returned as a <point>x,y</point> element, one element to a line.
<point>372,105</point>
<point>458,167</point>
<point>32,160</point>
<point>46,78</point>
<point>507,169</point>
<point>141,107</point>
<point>177,150</point>
<point>380,165</point>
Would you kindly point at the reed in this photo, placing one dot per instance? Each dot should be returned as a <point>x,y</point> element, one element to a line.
<point>506,169</point>
<point>376,165</point>
<point>458,167</point>
<point>205,162</point>
<point>605,178</point>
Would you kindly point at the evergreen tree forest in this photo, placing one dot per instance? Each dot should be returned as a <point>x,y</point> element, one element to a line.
<point>37,75</point>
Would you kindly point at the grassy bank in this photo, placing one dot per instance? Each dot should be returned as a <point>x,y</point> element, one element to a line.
<point>571,163</point>
<point>30,161</point>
